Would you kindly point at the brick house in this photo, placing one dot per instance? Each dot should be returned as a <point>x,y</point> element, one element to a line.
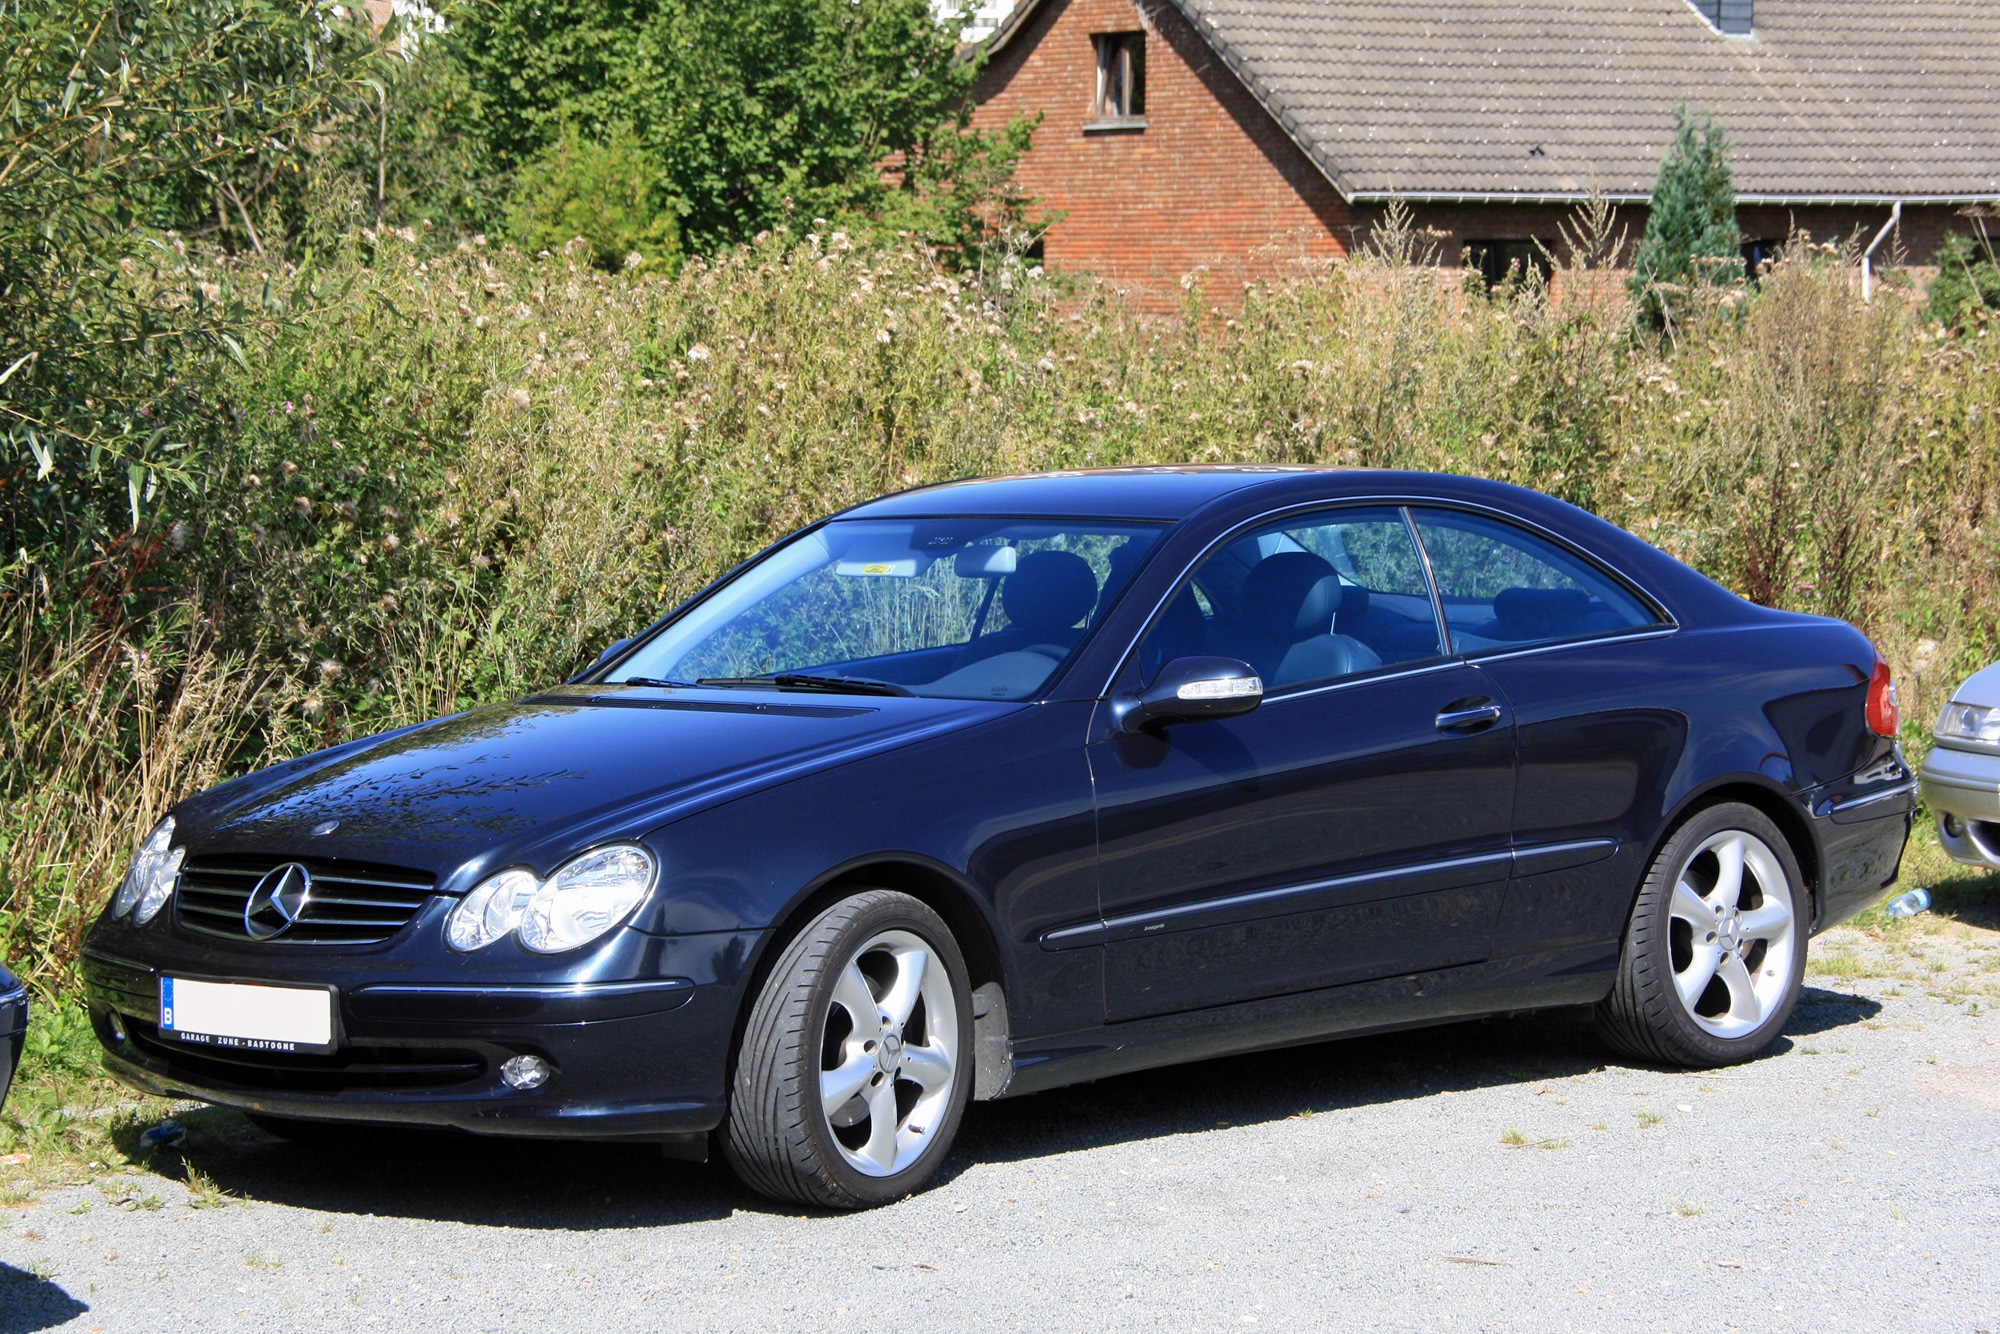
<point>1248,135</point>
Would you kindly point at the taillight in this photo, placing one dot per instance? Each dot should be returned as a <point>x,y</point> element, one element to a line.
<point>1885,718</point>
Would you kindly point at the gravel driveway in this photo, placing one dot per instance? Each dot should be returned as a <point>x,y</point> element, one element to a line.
<point>1502,1175</point>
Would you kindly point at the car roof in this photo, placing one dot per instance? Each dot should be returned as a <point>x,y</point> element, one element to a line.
<point>1166,492</point>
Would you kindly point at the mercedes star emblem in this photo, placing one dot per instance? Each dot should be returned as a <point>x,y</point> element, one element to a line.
<point>277,901</point>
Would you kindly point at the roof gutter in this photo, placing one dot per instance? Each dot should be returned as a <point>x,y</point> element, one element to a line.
<point>1868,255</point>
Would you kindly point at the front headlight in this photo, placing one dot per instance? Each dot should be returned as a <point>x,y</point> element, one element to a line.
<point>490,911</point>
<point>1969,722</point>
<point>584,899</point>
<point>146,863</point>
<point>165,872</point>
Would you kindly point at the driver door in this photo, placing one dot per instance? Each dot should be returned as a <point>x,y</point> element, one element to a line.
<point>1355,825</point>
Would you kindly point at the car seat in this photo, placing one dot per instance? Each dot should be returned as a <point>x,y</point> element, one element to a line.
<point>1536,613</point>
<point>1045,597</point>
<point>1283,623</point>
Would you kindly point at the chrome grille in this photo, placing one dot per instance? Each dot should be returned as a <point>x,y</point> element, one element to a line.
<point>350,903</point>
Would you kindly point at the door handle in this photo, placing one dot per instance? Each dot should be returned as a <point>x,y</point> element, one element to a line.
<point>1469,715</point>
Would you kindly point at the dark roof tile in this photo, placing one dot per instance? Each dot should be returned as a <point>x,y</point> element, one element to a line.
<point>1829,98</point>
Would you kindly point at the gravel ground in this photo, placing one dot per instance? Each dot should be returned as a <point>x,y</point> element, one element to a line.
<point>1502,1175</point>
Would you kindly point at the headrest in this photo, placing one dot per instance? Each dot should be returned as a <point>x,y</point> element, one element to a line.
<point>1049,590</point>
<point>1293,592</point>
<point>1542,609</point>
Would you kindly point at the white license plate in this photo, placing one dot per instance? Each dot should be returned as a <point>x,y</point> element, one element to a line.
<point>236,1014</point>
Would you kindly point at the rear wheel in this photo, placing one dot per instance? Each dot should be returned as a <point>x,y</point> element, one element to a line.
<point>856,1065</point>
<point>1716,948</point>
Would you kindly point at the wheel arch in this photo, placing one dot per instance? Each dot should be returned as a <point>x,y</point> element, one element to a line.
<point>1773,801</point>
<point>932,883</point>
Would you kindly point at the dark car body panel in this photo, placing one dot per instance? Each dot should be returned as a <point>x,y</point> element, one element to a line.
<point>1328,863</point>
<point>1330,836</point>
<point>13,1027</point>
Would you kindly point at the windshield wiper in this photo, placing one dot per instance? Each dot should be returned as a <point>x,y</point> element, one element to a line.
<point>845,685</point>
<point>653,681</point>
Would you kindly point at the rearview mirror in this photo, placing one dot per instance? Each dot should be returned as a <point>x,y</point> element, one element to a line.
<point>984,562</point>
<point>1189,690</point>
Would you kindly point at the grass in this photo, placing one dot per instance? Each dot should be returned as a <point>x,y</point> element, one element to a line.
<point>1649,1118</point>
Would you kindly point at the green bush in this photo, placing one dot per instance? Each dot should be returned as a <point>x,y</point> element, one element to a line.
<point>610,192</point>
<point>1968,278</point>
<point>118,121</point>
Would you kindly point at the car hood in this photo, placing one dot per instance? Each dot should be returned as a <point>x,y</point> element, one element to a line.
<point>1981,688</point>
<point>534,780</point>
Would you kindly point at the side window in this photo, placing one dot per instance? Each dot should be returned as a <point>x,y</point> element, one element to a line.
<point>1311,598</point>
<point>1502,587</point>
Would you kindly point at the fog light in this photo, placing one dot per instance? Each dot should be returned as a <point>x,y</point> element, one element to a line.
<point>1954,827</point>
<point>526,1072</point>
<point>117,1027</point>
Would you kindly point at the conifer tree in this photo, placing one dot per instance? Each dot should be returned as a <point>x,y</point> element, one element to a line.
<point>1691,235</point>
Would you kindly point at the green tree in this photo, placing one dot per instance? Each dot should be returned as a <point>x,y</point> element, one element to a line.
<point>748,107</point>
<point>411,146</point>
<point>610,192</point>
<point>119,118</point>
<point>1691,238</point>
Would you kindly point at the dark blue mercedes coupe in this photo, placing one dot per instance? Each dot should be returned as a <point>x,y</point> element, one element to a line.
<point>994,786</point>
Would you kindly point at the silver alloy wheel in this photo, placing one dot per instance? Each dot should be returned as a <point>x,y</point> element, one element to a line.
<point>888,1053</point>
<point>1734,931</point>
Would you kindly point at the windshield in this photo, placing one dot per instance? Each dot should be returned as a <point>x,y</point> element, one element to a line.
<point>954,608</point>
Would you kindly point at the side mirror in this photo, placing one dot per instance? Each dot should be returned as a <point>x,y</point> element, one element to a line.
<point>1189,690</point>
<point>609,652</point>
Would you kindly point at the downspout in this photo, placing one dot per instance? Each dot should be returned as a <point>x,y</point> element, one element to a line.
<point>1868,255</point>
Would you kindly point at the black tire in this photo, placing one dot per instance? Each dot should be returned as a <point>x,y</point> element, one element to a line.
<point>778,1137</point>
<point>1645,1016</point>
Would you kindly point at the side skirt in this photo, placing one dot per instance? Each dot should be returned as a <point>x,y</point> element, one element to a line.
<point>1579,976</point>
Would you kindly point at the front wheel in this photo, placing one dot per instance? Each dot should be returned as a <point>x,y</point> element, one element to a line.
<point>855,1065</point>
<point>1716,949</point>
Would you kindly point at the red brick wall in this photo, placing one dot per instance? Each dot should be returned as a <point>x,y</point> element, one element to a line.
<point>1211,180</point>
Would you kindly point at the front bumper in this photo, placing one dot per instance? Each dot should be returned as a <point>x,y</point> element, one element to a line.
<point>1962,789</point>
<point>636,1057</point>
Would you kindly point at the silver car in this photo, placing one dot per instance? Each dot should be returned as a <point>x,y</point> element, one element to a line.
<point>1960,780</point>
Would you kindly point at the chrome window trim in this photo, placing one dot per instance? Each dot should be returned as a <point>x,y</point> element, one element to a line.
<point>1423,668</point>
<point>1583,641</point>
<point>1668,625</point>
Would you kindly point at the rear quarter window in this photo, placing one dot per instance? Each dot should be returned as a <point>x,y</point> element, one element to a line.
<point>1502,586</point>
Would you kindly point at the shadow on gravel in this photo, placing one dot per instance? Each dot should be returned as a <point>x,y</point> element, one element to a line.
<point>447,1176</point>
<point>28,1303</point>
<point>1324,1077</point>
<point>586,1187</point>
<point>1820,1009</point>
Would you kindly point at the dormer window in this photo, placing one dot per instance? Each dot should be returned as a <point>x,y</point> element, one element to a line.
<point>1121,80</point>
<point>1731,18</point>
